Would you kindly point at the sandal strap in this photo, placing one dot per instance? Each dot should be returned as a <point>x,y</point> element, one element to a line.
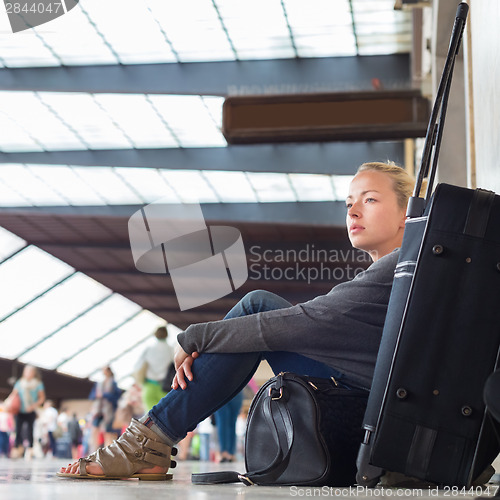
<point>137,448</point>
<point>162,448</point>
<point>82,463</point>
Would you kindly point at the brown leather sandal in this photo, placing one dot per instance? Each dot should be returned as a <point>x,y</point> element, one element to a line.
<point>137,448</point>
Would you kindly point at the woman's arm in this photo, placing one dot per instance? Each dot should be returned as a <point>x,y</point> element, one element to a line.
<point>341,329</point>
<point>38,403</point>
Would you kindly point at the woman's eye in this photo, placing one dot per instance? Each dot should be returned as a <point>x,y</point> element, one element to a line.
<point>348,205</point>
<point>370,200</point>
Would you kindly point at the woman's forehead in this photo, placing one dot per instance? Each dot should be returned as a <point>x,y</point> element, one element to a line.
<point>370,180</point>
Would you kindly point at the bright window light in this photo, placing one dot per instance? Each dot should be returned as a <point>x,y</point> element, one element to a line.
<point>98,354</point>
<point>48,313</point>
<point>82,332</point>
<point>310,187</point>
<point>26,275</point>
<point>33,116</point>
<point>10,197</point>
<point>63,179</point>
<point>129,28</point>
<point>135,116</point>
<point>190,186</point>
<point>190,119</point>
<point>20,179</point>
<point>111,187</point>
<point>148,183</point>
<point>341,185</point>
<point>274,187</point>
<point>92,124</point>
<point>9,244</point>
<point>14,137</point>
<point>194,29</point>
<point>231,186</point>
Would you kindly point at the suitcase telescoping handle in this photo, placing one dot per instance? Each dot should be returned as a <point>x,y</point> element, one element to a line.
<point>416,204</point>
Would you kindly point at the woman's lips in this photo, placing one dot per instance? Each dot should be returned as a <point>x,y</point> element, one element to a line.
<point>355,228</point>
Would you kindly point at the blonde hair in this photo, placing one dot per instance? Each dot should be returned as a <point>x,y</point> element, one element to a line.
<point>402,181</point>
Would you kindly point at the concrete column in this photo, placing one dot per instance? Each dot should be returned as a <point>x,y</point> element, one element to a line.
<point>452,166</point>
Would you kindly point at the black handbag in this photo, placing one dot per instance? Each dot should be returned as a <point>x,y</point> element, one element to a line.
<point>300,431</point>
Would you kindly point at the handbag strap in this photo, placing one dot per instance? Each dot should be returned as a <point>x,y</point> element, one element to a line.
<point>283,433</point>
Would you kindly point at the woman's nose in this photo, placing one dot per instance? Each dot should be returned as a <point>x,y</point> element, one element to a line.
<point>353,211</point>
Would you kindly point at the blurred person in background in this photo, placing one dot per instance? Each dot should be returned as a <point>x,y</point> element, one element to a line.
<point>225,419</point>
<point>49,418</point>
<point>31,392</point>
<point>152,366</point>
<point>105,395</point>
<point>75,434</point>
<point>6,427</point>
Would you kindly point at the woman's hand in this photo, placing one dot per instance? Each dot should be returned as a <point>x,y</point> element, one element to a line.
<point>183,362</point>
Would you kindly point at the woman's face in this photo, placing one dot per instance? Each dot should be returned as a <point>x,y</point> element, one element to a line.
<point>28,372</point>
<point>375,221</point>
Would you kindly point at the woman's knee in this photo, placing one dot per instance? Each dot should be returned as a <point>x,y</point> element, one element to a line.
<point>262,300</point>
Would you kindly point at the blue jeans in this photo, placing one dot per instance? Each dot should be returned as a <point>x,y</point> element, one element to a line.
<point>218,377</point>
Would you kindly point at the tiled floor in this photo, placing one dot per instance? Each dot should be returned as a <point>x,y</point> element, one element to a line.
<point>36,480</point>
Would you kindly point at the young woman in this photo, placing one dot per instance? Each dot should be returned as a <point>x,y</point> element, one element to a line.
<point>337,334</point>
<point>32,394</point>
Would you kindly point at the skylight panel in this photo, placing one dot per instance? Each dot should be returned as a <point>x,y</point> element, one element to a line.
<point>148,183</point>
<point>11,198</point>
<point>320,29</point>
<point>137,118</point>
<point>28,111</point>
<point>97,355</point>
<point>129,28</point>
<point>93,124</point>
<point>24,49</point>
<point>63,180</point>
<point>214,106</point>
<point>340,184</point>
<point>194,30</point>
<point>21,180</point>
<point>189,119</point>
<point>82,332</point>
<point>327,45</point>
<point>75,41</point>
<point>312,187</point>
<point>108,185</point>
<point>384,43</point>
<point>254,34</point>
<point>48,313</point>
<point>403,28</point>
<point>231,186</point>
<point>317,15</point>
<point>190,186</point>
<point>26,275</point>
<point>14,138</point>
<point>9,244</point>
<point>272,187</point>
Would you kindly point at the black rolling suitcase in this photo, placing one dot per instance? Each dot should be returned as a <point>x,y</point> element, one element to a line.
<point>426,417</point>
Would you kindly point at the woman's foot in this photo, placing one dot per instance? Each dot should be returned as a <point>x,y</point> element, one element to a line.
<point>137,453</point>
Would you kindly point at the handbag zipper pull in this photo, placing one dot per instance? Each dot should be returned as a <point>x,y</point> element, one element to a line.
<point>276,390</point>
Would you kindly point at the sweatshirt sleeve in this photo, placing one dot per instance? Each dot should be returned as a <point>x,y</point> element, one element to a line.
<point>345,323</point>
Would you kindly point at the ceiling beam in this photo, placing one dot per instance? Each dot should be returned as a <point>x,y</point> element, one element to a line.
<point>319,158</point>
<point>327,213</point>
<point>217,78</point>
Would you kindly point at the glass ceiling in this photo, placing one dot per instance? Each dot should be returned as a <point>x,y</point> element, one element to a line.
<point>160,31</point>
<point>58,318</point>
<point>63,185</point>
